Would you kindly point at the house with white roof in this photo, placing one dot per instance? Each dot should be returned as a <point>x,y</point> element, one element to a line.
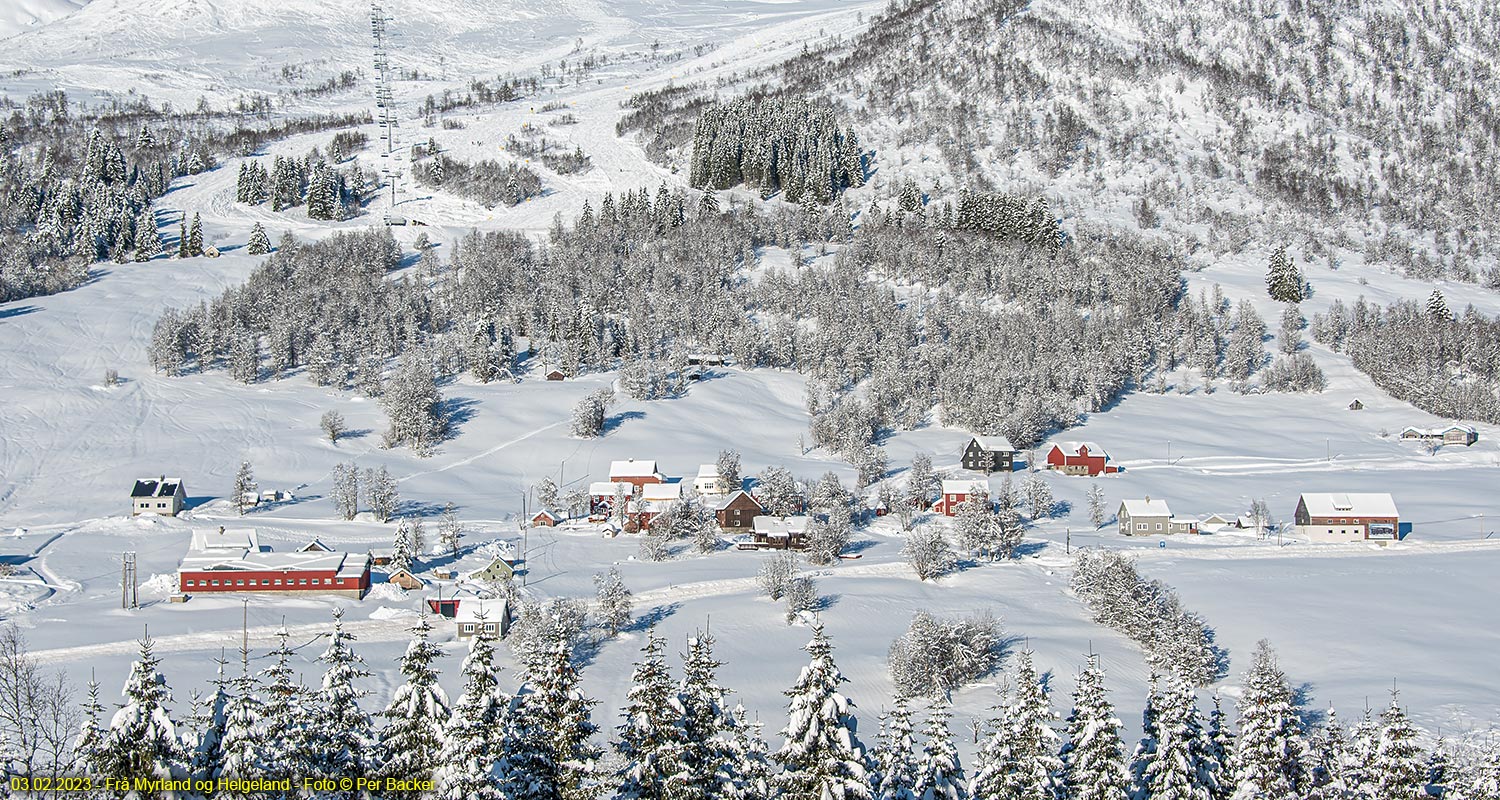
<point>231,569</point>
<point>779,533</point>
<point>237,539</point>
<point>474,612</point>
<point>958,490</point>
<point>1347,517</point>
<point>1147,517</point>
<point>1445,434</point>
<point>709,482</point>
<point>603,494</point>
<point>635,472</point>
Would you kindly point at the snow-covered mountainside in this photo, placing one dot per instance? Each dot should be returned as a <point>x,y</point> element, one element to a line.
<point>904,225</point>
<point>17,16</point>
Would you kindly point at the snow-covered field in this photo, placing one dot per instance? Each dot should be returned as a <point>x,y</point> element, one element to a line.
<point>1346,619</point>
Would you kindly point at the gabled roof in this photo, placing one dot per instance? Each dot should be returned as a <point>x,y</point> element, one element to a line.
<point>472,608</point>
<point>1333,504</point>
<point>708,471</point>
<point>735,495</point>
<point>966,486</point>
<point>1438,431</point>
<point>631,468</point>
<point>1146,508</point>
<point>661,492</point>
<point>343,564</point>
<point>995,444</point>
<point>547,513</point>
<point>1071,448</point>
<point>607,488</point>
<point>779,526</point>
<point>155,487</point>
<point>315,546</point>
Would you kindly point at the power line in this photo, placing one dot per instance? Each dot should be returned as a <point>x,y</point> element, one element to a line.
<point>385,100</point>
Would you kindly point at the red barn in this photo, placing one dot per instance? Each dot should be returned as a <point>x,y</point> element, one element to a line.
<point>1079,458</point>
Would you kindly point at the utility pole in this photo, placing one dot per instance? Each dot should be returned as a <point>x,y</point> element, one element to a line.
<point>525,540</point>
<point>128,582</point>
<point>1169,452</point>
<point>385,100</point>
<point>1068,541</point>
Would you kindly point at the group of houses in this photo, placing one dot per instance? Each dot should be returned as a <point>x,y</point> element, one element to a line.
<point>989,454</point>
<point>1465,435</point>
<point>1319,517</point>
<point>637,492</point>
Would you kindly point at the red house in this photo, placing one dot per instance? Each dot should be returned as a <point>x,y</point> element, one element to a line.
<point>222,570</point>
<point>545,519</point>
<point>958,491</point>
<point>1079,458</point>
<point>636,473</point>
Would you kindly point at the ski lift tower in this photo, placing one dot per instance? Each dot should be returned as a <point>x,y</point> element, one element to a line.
<point>385,103</point>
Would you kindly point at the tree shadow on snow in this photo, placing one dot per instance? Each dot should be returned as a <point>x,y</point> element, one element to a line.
<point>457,411</point>
<point>1061,508</point>
<point>858,546</point>
<point>190,503</point>
<point>651,618</point>
<point>419,508</point>
<point>17,310</point>
<point>1026,549</point>
<point>826,602</point>
<point>619,419</point>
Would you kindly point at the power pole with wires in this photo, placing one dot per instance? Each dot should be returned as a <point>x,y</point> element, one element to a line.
<point>128,581</point>
<point>385,99</point>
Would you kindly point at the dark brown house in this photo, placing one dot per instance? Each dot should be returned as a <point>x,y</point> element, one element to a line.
<point>738,511</point>
<point>989,454</point>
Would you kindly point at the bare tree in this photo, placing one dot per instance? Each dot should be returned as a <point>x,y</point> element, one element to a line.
<point>38,718</point>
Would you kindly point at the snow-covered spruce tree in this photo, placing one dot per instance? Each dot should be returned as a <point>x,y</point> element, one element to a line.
<point>1483,779</point>
<point>1093,760</point>
<point>928,552</point>
<point>345,490</point>
<point>561,714</point>
<point>1270,761</point>
<point>895,757</point>
<point>1328,760</point>
<point>1170,764</point>
<point>614,600</point>
<point>705,748</point>
<point>207,725</point>
<point>381,494</point>
<point>413,405</point>
<point>142,739</point>
<point>940,776</point>
<point>822,756</point>
<point>450,530</point>
<point>412,737</point>
<point>342,735</point>
<point>1033,744</point>
<point>260,243</point>
<point>402,554</point>
<point>244,488</point>
<point>648,735</point>
<point>147,240</point>
<point>287,717</point>
<point>755,777</point>
<point>1097,512</point>
<point>920,480</point>
<point>195,236</point>
<point>1283,279</point>
<point>88,747</point>
<point>1364,739</point>
<point>1437,306</point>
<point>243,746</point>
<point>1398,771</point>
<point>1221,746</point>
<point>471,740</point>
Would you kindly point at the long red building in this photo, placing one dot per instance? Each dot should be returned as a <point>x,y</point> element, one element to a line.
<point>1080,458</point>
<point>318,572</point>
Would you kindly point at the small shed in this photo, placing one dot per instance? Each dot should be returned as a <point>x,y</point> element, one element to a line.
<point>546,518</point>
<point>402,577</point>
<point>554,374</point>
<point>497,571</point>
<point>315,546</point>
<point>1356,405</point>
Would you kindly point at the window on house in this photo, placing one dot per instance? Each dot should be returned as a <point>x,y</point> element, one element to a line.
<point>216,583</point>
<point>1158,526</point>
<point>302,581</point>
<point>189,583</point>
<point>1141,526</point>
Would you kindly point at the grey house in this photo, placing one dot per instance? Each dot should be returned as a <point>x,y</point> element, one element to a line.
<point>164,496</point>
<point>989,454</point>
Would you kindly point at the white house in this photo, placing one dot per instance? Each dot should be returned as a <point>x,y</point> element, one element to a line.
<point>1346,517</point>
<point>709,482</point>
<point>163,495</point>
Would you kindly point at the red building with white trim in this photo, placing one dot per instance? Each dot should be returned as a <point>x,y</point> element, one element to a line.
<point>959,491</point>
<point>1080,458</point>
<point>223,570</point>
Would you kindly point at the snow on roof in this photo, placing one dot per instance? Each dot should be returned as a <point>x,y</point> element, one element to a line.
<point>779,526</point>
<point>240,539</point>
<point>661,492</point>
<point>472,608</point>
<point>730,498</point>
<point>607,488</point>
<point>966,486</point>
<point>1073,447</point>
<point>1333,504</point>
<point>315,546</point>
<point>155,487</point>
<point>253,561</point>
<point>708,470</point>
<point>631,468</point>
<point>992,444</point>
<point>1438,431</point>
<point>1146,508</point>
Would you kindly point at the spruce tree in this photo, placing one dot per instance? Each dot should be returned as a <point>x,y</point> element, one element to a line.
<point>822,757</point>
<point>1437,306</point>
<point>939,774</point>
<point>703,753</point>
<point>755,778</point>
<point>184,250</point>
<point>648,735</point>
<point>244,488</point>
<point>471,738</point>
<point>287,723</point>
<point>1220,748</point>
<point>147,242</point>
<point>91,734</point>
<point>1094,757</point>
<point>1169,762</point>
<point>195,236</point>
<point>1398,771</point>
<point>895,755</point>
<point>260,243</point>
<point>343,733</point>
<point>561,712</point>
<point>1328,761</point>
<point>412,737</point>
<point>142,739</point>
<point>242,750</point>
<point>1033,746</point>
<point>1283,279</point>
<point>206,755</point>
<point>1270,761</point>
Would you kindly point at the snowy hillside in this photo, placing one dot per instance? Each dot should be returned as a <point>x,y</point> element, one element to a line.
<point>18,16</point>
